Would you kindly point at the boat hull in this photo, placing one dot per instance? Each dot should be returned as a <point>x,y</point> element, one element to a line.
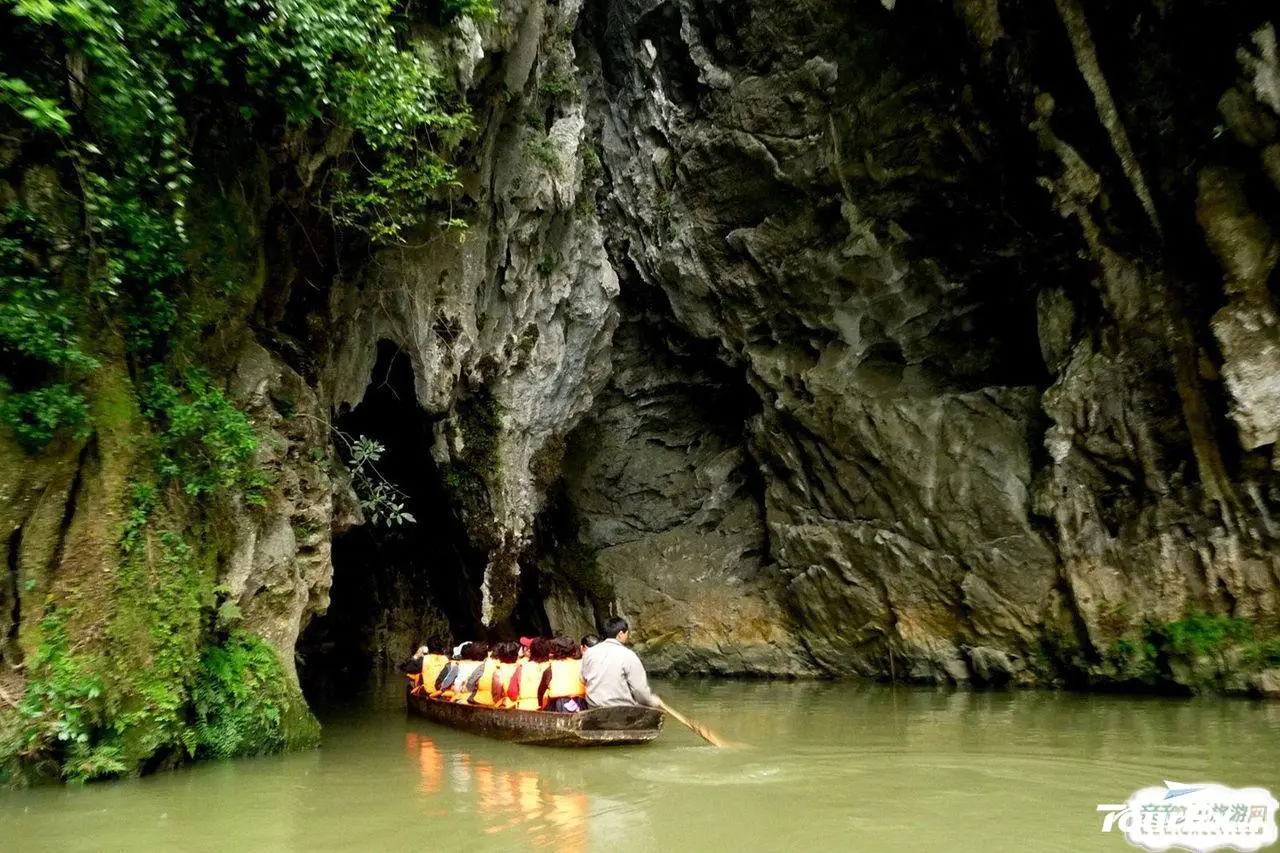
<point>593,727</point>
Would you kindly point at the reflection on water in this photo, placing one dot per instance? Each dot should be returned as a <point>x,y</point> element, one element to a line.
<point>830,767</point>
<point>519,802</point>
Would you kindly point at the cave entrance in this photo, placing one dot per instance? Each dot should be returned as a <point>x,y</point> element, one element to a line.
<point>393,584</point>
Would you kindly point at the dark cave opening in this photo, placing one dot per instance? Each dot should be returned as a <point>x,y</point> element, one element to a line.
<point>393,585</point>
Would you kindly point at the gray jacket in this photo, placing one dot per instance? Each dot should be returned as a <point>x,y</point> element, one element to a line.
<point>615,676</point>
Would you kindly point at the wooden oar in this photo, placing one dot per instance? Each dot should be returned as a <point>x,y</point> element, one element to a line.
<point>701,731</point>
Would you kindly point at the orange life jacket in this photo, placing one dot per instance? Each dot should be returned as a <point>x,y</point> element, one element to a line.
<point>458,691</point>
<point>415,682</point>
<point>484,690</point>
<point>432,666</point>
<point>530,679</point>
<point>566,680</point>
<point>502,674</point>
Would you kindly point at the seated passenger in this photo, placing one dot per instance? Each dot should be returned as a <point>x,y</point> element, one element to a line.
<point>587,642</point>
<point>529,677</point>
<point>483,694</point>
<point>433,666</point>
<point>468,674</point>
<point>423,669</point>
<point>504,672</point>
<point>412,667</point>
<point>450,672</point>
<point>562,688</point>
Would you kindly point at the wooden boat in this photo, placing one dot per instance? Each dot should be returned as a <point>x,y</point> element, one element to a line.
<point>593,727</point>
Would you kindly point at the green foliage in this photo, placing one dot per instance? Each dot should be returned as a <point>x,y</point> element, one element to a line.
<point>44,113</point>
<point>386,202</point>
<point>1265,653</point>
<point>163,595</point>
<point>37,416</point>
<point>665,218</point>
<point>479,425</point>
<point>60,718</point>
<point>560,82</point>
<point>123,84</point>
<point>1199,634</point>
<point>1201,650</point>
<point>204,443</point>
<point>381,501</point>
<point>36,321</point>
<point>238,699</point>
<point>38,342</point>
<point>158,68</point>
<point>343,58</point>
<point>164,688</point>
<point>592,168</point>
<point>142,501</point>
<point>540,148</point>
<point>480,10</point>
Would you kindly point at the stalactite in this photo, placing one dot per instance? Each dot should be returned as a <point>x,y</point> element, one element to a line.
<point>1086,55</point>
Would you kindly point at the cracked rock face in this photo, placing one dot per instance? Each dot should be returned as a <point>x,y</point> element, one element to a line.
<point>845,339</point>
<point>780,189</point>
<point>998,283</point>
<point>520,306</point>
<point>821,338</point>
<point>668,505</point>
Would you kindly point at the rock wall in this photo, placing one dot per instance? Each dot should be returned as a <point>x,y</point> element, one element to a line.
<point>1000,281</point>
<point>667,508</point>
<point>930,343</point>
<point>519,307</point>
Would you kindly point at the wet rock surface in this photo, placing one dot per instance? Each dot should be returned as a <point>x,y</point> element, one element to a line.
<point>828,338</point>
<point>1004,300</point>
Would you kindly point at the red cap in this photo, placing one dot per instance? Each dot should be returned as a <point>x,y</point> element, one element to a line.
<point>526,641</point>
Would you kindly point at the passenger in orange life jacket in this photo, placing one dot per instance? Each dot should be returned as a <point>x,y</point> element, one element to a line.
<point>433,666</point>
<point>412,667</point>
<point>423,668</point>
<point>529,678</point>
<point>504,672</point>
<point>483,693</point>
<point>562,688</point>
<point>468,673</point>
<point>450,672</point>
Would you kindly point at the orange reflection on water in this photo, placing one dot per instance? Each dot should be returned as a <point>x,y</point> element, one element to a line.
<point>430,762</point>
<point>518,801</point>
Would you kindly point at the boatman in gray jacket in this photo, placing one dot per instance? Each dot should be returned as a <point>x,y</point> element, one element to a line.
<point>613,673</point>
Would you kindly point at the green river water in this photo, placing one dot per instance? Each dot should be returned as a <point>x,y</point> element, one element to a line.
<point>827,767</point>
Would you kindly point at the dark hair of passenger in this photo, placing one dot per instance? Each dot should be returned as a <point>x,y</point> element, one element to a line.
<point>475,651</point>
<point>565,647</point>
<point>590,640</point>
<point>540,650</point>
<point>506,652</point>
<point>614,626</point>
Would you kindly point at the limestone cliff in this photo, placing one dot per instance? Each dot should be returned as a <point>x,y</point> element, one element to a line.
<point>914,342</point>
<point>998,280</point>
